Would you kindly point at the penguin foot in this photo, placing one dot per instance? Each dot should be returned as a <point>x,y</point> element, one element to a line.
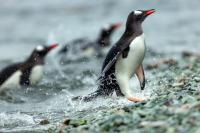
<point>135,99</point>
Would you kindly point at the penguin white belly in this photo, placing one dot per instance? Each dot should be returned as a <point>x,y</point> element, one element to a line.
<point>126,67</point>
<point>36,74</point>
<point>12,81</point>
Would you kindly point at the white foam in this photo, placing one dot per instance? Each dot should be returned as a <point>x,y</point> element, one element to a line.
<point>15,119</point>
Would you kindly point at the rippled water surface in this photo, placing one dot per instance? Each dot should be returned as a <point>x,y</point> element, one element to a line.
<point>25,23</point>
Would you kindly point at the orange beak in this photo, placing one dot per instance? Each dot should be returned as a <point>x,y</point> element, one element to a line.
<point>147,13</point>
<point>117,25</point>
<point>52,46</point>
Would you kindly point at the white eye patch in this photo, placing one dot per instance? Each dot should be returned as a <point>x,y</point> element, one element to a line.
<point>106,26</point>
<point>137,12</point>
<point>39,48</point>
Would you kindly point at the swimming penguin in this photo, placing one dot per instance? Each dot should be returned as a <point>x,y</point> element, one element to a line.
<point>124,60</point>
<point>28,72</point>
<point>88,48</point>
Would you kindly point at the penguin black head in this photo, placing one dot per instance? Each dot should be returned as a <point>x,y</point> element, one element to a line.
<point>136,18</point>
<point>106,32</point>
<point>40,52</point>
<point>140,15</point>
<point>109,28</point>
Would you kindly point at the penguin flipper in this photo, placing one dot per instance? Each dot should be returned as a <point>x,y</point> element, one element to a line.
<point>108,66</point>
<point>113,61</point>
<point>113,55</point>
<point>141,76</point>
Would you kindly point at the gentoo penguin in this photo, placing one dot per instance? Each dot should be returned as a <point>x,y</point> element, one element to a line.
<point>88,48</point>
<point>124,60</point>
<point>28,72</point>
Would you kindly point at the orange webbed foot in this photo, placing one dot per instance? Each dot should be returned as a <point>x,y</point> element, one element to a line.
<point>135,99</point>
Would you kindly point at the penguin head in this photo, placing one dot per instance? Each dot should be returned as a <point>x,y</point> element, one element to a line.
<point>109,28</point>
<point>106,32</point>
<point>40,52</point>
<point>138,16</point>
<point>135,19</point>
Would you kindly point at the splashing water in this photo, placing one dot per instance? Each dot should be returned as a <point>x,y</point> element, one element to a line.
<point>62,21</point>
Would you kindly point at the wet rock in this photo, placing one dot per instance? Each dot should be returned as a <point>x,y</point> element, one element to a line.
<point>189,66</point>
<point>183,79</point>
<point>66,121</point>
<point>78,122</point>
<point>44,122</point>
<point>169,62</point>
<point>188,99</point>
<point>63,125</point>
<point>168,102</point>
<point>189,54</point>
<point>196,105</point>
<point>181,84</point>
<point>197,79</point>
<point>114,122</point>
<point>72,122</point>
<point>152,66</point>
<point>153,124</point>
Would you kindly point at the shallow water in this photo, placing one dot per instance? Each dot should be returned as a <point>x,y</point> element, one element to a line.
<point>26,23</point>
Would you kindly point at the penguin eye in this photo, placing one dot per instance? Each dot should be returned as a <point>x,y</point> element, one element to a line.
<point>39,48</point>
<point>137,12</point>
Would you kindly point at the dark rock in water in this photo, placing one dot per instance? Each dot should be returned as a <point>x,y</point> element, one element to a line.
<point>189,54</point>
<point>186,54</point>
<point>152,66</point>
<point>73,123</point>
<point>44,122</point>
<point>76,123</point>
<point>197,79</point>
<point>66,122</point>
